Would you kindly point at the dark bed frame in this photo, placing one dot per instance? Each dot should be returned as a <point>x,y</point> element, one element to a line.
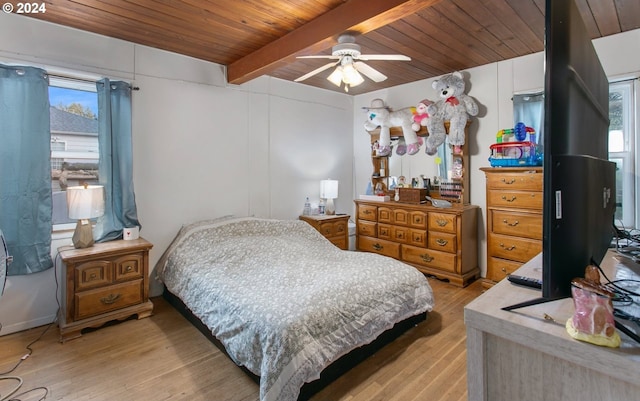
<point>331,372</point>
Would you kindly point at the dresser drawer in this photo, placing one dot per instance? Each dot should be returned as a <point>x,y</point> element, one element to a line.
<point>417,219</point>
<point>429,258</point>
<point>128,267</point>
<point>376,245</point>
<point>417,237</point>
<point>515,199</point>
<point>528,181</point>
<point>527,225</point>
<point>445,242</point>
<point>498,269</point>
<point>93,274</point>
<point>331,228</point>
<point>117,296</point>
<point>368,212</point>
<point>513,248</point>
<point>442,222</point>
<point>367,228</point>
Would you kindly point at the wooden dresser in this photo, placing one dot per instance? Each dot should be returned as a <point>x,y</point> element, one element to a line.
<point>333,227</point>
<point>514,219</point>
<point>438,242</point>
<point>105,282</point>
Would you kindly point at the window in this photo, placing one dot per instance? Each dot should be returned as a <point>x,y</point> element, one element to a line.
<point>74,140</point>
<point>622,151</point>
<point>623,143</point>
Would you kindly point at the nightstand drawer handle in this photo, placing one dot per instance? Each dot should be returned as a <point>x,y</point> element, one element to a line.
<point>442,242</point>
<point>377,247</point>
<point>426,257</point>
<point>110,299</point>
<point>507,248</point>
<point>515,223</point>
<point>511,181</point>
<point>442,222</point>
<point>512,199</point>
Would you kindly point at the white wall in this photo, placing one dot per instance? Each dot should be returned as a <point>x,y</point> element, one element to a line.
<point>492,86</point>
<point>202,148</point>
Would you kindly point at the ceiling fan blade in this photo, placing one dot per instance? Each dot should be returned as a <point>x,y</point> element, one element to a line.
<point>321,56</point>
<point>316,71</point>
<point>398,57</point>
<point>369,71</point>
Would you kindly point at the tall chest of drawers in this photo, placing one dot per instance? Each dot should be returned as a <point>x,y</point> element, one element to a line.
<point>438,242</point>
<point>514,219</point>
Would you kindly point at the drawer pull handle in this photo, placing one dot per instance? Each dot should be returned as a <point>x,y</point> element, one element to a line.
<point>515,223</point>
<point>504,270</point>
<point>340,229</point>
<point>512,199</point>
<point>377,247</point>
<point>442,242</point>
<point>110,299</point>
<point>441,222</point>
<point>426,257</point>
<point>129,268</point>
<point>507,248</point>
<point>511,181</point>
<point>92,276</point>
<point>366,212</point>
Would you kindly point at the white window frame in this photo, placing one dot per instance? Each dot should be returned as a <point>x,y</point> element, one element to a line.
<point>71,82</point>
<point>628,155</point>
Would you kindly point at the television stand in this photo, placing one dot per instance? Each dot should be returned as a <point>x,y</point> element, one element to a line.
<point>526,355</point>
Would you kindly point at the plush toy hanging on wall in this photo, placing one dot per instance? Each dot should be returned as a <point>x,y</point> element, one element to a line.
<point>453,106</point>
<point>421,117</point>
<point>379,115</point>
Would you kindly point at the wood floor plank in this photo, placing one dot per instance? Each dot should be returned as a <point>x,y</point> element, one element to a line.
<point>165,358</point>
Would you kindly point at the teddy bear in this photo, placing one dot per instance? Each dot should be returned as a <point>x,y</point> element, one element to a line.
<point>421,115</point>
<point>379,115</point>
<point>453,106</point>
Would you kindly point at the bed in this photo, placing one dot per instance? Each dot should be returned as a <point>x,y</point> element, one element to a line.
<point>282,300</point>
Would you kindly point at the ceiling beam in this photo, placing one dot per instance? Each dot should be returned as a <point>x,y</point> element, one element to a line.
<point>360,16</point>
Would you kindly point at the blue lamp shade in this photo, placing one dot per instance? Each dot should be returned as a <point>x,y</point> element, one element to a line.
<point>329,191</point>
<point>84,203</point>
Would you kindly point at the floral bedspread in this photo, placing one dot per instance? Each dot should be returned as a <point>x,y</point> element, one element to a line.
<point>283,300</point>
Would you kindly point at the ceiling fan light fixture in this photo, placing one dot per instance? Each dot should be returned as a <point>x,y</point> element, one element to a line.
<point>351,76</point>
<point>336,76</point>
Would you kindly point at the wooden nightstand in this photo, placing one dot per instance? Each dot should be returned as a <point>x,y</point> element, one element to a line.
<point>105,282</point>
<point>334,227</point>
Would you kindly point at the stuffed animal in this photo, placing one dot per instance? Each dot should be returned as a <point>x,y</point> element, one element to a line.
<point>379,115</point>
<point>421,116</point>
<point>453,106</point>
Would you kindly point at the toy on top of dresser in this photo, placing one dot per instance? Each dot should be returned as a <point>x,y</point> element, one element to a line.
<point>454,106</point>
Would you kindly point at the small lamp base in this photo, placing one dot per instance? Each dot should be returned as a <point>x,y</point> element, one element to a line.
<point>83,235</point>
<point>330,208</point>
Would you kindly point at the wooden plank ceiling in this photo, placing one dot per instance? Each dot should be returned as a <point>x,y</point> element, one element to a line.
<point>263,37</point>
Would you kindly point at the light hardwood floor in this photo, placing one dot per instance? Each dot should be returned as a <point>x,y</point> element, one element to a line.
<point>165,358</point>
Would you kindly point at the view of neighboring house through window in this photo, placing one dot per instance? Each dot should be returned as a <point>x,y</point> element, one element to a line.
<point>74,140</point>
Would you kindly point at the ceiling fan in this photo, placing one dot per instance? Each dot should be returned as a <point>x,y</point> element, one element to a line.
<point>348,56</point>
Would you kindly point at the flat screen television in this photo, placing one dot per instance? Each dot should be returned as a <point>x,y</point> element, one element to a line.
<point>579,181</point>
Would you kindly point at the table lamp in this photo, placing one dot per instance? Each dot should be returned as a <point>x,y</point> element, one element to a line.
<point>329,191</point>
<point>84,203</point>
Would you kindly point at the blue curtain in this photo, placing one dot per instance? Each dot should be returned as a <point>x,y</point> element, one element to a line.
<point>116,160</point>
<point>25,168</point>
